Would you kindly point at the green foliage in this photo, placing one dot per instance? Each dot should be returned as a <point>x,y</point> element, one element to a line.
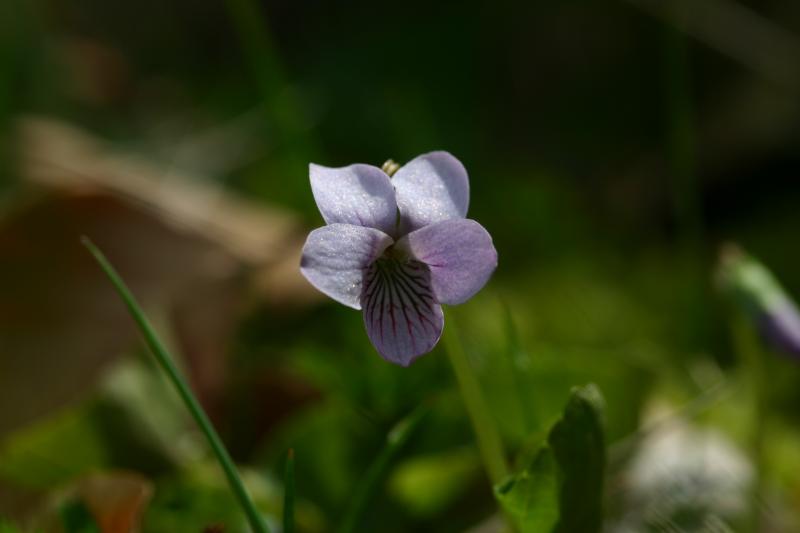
<point>530,497</point>
<point>8,527</point>
<point>365,490</point>
<point>198,498</point>
<point>426,484</point>
<point>288,494</point>
<point>192,503</point>
<point>167,364</point>
<point>578,442</point>
<point>561,489</point>
<point>53,451</point>
<point>76,518</point>
<point>129,423</point>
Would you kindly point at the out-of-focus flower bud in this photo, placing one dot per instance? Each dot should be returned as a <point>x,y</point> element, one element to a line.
<point>759,294</point>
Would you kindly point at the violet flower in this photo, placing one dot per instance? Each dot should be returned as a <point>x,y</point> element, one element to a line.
<point>397,248</point>
<point>762,298</point>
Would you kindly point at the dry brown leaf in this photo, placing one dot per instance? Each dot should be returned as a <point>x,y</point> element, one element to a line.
<point>116,500</point>
<point>184,246</point>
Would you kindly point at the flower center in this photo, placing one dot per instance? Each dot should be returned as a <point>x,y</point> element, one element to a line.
<point>390,167</point>
<point>395,254</point>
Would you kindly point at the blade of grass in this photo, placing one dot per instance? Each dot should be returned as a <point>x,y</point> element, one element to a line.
<point>288,494</point>
<point>489,442</point>
<point>367,486</point>
<point>167,364</point>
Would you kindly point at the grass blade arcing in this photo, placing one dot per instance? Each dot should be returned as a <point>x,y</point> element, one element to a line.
<point>175,377</point>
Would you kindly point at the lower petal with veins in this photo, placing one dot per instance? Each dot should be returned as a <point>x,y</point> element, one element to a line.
<point>402,317</point>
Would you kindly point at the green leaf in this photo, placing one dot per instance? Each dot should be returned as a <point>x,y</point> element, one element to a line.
<point>53,450</point>
<point>561,489</point>
<point>530,497</point>
<point>578,442</point>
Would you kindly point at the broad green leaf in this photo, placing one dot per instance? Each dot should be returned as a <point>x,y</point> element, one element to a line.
<point>561,489</point>
<point>578,442</point>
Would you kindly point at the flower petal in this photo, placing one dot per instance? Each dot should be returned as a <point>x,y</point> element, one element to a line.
<point>335,256</point>
<point>402,318</point>
<point>431,188</point>
<point>459,254</point>
<point>780,324</point>
<point>361,195</point>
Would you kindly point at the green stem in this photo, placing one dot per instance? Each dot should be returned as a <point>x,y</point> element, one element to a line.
<point>179,382</point>
<point>489,442</point>
<point>752,359</point>
<point>396,439</point>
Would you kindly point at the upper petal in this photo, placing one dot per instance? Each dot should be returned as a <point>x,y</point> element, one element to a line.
<point>361,195</point>
<point>431,188</point>
<point>459,254</point>
<point>335,256</point>
<point>402,317</point>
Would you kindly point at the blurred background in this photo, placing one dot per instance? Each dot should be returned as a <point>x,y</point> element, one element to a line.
<point>612,147</point>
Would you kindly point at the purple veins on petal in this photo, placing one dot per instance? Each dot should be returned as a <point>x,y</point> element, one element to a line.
<point>401,315</point>
<point>460,255</point>
<point>361,195</point>
<point>439,257</point>
<point>335,256</point>
<point>431,188</point>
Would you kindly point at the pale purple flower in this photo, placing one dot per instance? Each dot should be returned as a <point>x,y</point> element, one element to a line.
<point>397,248</point>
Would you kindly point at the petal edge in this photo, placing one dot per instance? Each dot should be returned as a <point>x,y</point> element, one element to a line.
<point>460,255</point>
<point>335,256</point>
<point>361,195</point>
<point>431,188</point>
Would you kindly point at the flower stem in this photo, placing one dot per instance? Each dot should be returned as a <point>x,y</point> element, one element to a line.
<point>164,359</point>
<point>489,442</point>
